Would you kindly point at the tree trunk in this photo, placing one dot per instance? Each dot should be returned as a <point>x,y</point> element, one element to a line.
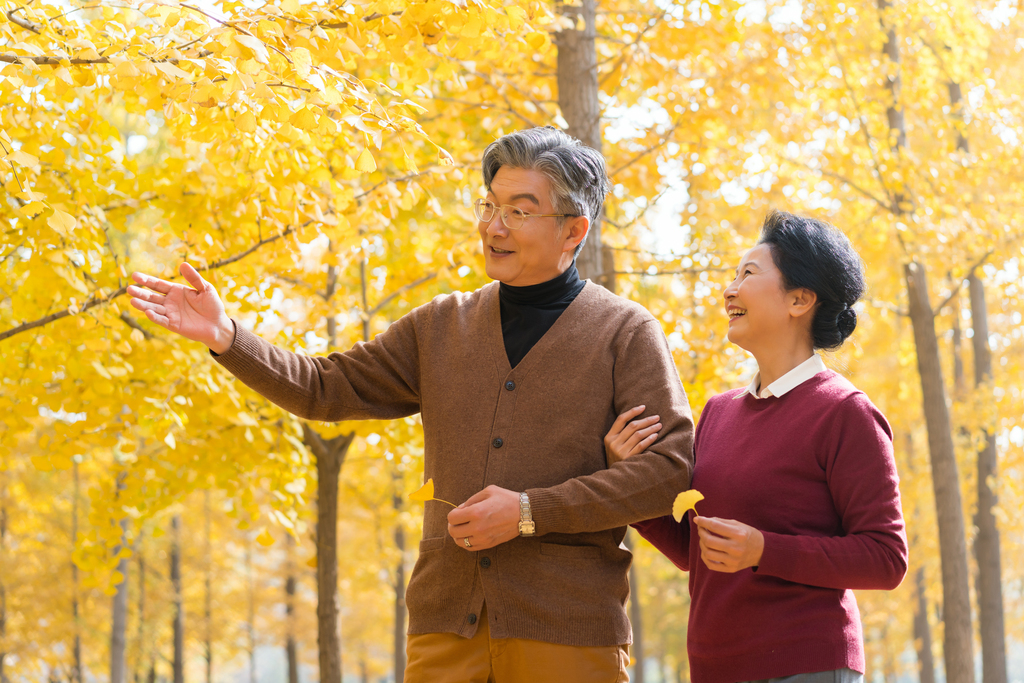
<point>76,648</point>
<point>291,647</point>
<point>581,109</point>
<point>178,662</point>
<point>923,632</point>
<point>399,634</point>
<point>119,612</point>
<point>3,588</point>
<point>958,645</point>
<point>330,456</point>
<point>986,542</point>
<point>208,596</point>
<point>140,637</point>
<point>250,625</point>
<point>635,615</point>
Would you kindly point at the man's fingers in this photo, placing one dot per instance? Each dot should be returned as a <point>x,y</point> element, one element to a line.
<point>192,276</point>
<point>460,515</point>
<point>154,283</point>
<point>147,307</point>
<point>145,294</point>
<point>161,320</point>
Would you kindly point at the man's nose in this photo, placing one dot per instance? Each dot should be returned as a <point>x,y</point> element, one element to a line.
<point>496,226</point>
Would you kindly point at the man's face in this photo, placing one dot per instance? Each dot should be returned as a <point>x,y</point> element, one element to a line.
<point>540,250</point>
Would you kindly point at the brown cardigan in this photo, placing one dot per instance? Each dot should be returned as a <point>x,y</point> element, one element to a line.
<point>537,428</point>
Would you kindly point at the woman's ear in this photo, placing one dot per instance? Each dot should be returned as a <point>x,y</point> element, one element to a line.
<point>801,301</point>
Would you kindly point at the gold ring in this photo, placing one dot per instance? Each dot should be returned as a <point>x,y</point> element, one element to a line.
<point>467,543</point>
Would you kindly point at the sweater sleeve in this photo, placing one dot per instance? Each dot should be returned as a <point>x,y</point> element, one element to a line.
<point>861,475</point>
<point>670,537</point>
<point>372,380</point>
<point>644,485</point>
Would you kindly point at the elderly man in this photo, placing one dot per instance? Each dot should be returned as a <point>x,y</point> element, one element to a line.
<point>517,384</point>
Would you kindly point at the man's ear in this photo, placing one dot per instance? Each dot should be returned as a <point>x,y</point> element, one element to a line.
<point>801,301</point>
<point>576,230</point>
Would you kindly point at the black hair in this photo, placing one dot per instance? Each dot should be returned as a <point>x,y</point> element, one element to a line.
<point>814,255</point>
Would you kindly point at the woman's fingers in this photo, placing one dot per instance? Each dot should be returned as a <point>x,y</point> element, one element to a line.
<point>641,438</point>
<point>621,420</point>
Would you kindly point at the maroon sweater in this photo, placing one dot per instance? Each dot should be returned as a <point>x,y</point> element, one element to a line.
<point>814,471</point>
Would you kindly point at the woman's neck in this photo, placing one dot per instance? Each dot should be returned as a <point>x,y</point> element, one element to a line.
<point>778,359</point>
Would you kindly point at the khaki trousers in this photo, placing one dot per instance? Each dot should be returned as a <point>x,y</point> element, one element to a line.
<point>449,658</point>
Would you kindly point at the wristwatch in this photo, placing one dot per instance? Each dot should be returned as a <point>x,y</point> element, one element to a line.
<point>526,525</point>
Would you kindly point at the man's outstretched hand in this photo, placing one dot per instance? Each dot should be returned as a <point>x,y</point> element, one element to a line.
<point>195,312</point>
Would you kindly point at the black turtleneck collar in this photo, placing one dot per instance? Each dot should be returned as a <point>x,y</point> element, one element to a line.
<point>564,287</point>
<point>527,313</point>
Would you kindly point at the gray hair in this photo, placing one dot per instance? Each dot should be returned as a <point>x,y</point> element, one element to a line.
<point>576,172</point>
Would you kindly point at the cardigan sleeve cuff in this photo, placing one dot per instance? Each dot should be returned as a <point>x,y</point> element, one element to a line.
<point>243,352</point>
<point>548,510</point>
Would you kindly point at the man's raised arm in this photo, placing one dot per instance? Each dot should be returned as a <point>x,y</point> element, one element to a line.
<point>374,380</point>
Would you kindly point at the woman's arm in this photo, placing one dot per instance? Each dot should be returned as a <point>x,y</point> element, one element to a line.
<point>670,537</point>
<point>861,475</point>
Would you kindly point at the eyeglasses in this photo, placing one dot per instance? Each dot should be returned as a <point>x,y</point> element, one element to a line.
<point>512,217</point>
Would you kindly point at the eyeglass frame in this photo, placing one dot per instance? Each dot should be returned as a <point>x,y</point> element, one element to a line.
<point>500,209</point>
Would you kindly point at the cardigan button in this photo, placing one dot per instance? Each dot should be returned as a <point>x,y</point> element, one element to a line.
<point>510,385</point>
<point>472,618</point>
<point>485,562</point>
<point>498,443</point>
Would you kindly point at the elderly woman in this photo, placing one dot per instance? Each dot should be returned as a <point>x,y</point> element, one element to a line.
<point>801,500</point>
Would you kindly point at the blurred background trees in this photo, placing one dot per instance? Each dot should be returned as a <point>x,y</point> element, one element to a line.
<point>318,162</point>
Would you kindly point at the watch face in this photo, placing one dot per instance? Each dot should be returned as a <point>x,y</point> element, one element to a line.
<point>526,528</point>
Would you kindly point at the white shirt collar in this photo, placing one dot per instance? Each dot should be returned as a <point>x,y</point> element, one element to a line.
<point>791,380</point>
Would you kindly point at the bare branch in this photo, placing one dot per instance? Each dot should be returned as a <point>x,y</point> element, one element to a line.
<point>404,288</point>
<point>845,180</point>
<point>100,300</point>
<point>661,143</point>
<point>22,21</point>
<point>132,323</point>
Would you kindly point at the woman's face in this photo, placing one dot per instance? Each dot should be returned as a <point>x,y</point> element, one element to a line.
<point>756,301</point>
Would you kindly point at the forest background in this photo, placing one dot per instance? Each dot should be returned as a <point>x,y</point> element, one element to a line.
<point>318,160</point>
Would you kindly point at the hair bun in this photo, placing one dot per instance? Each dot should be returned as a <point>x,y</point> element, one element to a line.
<point>846,321</point>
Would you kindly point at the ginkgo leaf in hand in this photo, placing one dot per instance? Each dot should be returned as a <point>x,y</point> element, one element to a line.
<point>685,501</point>
<point>425,493</point>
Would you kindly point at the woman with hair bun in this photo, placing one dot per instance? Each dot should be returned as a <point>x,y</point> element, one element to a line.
<point>801,500</point>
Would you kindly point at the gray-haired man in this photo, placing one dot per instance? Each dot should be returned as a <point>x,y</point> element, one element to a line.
<point>517,384</point>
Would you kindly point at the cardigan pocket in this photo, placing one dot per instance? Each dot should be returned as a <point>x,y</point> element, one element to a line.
<point>429,544</point>
<point>570,552</point>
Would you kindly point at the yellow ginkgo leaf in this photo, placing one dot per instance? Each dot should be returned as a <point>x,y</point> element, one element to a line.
<point>312,562</point>
<point>365,162</point>
<point>685,501</point>
<point>425,493</point>
<point>265,538</point>
<point>62,222</point>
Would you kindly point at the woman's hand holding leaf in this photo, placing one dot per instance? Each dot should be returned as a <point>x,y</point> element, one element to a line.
<point>727,545</point>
